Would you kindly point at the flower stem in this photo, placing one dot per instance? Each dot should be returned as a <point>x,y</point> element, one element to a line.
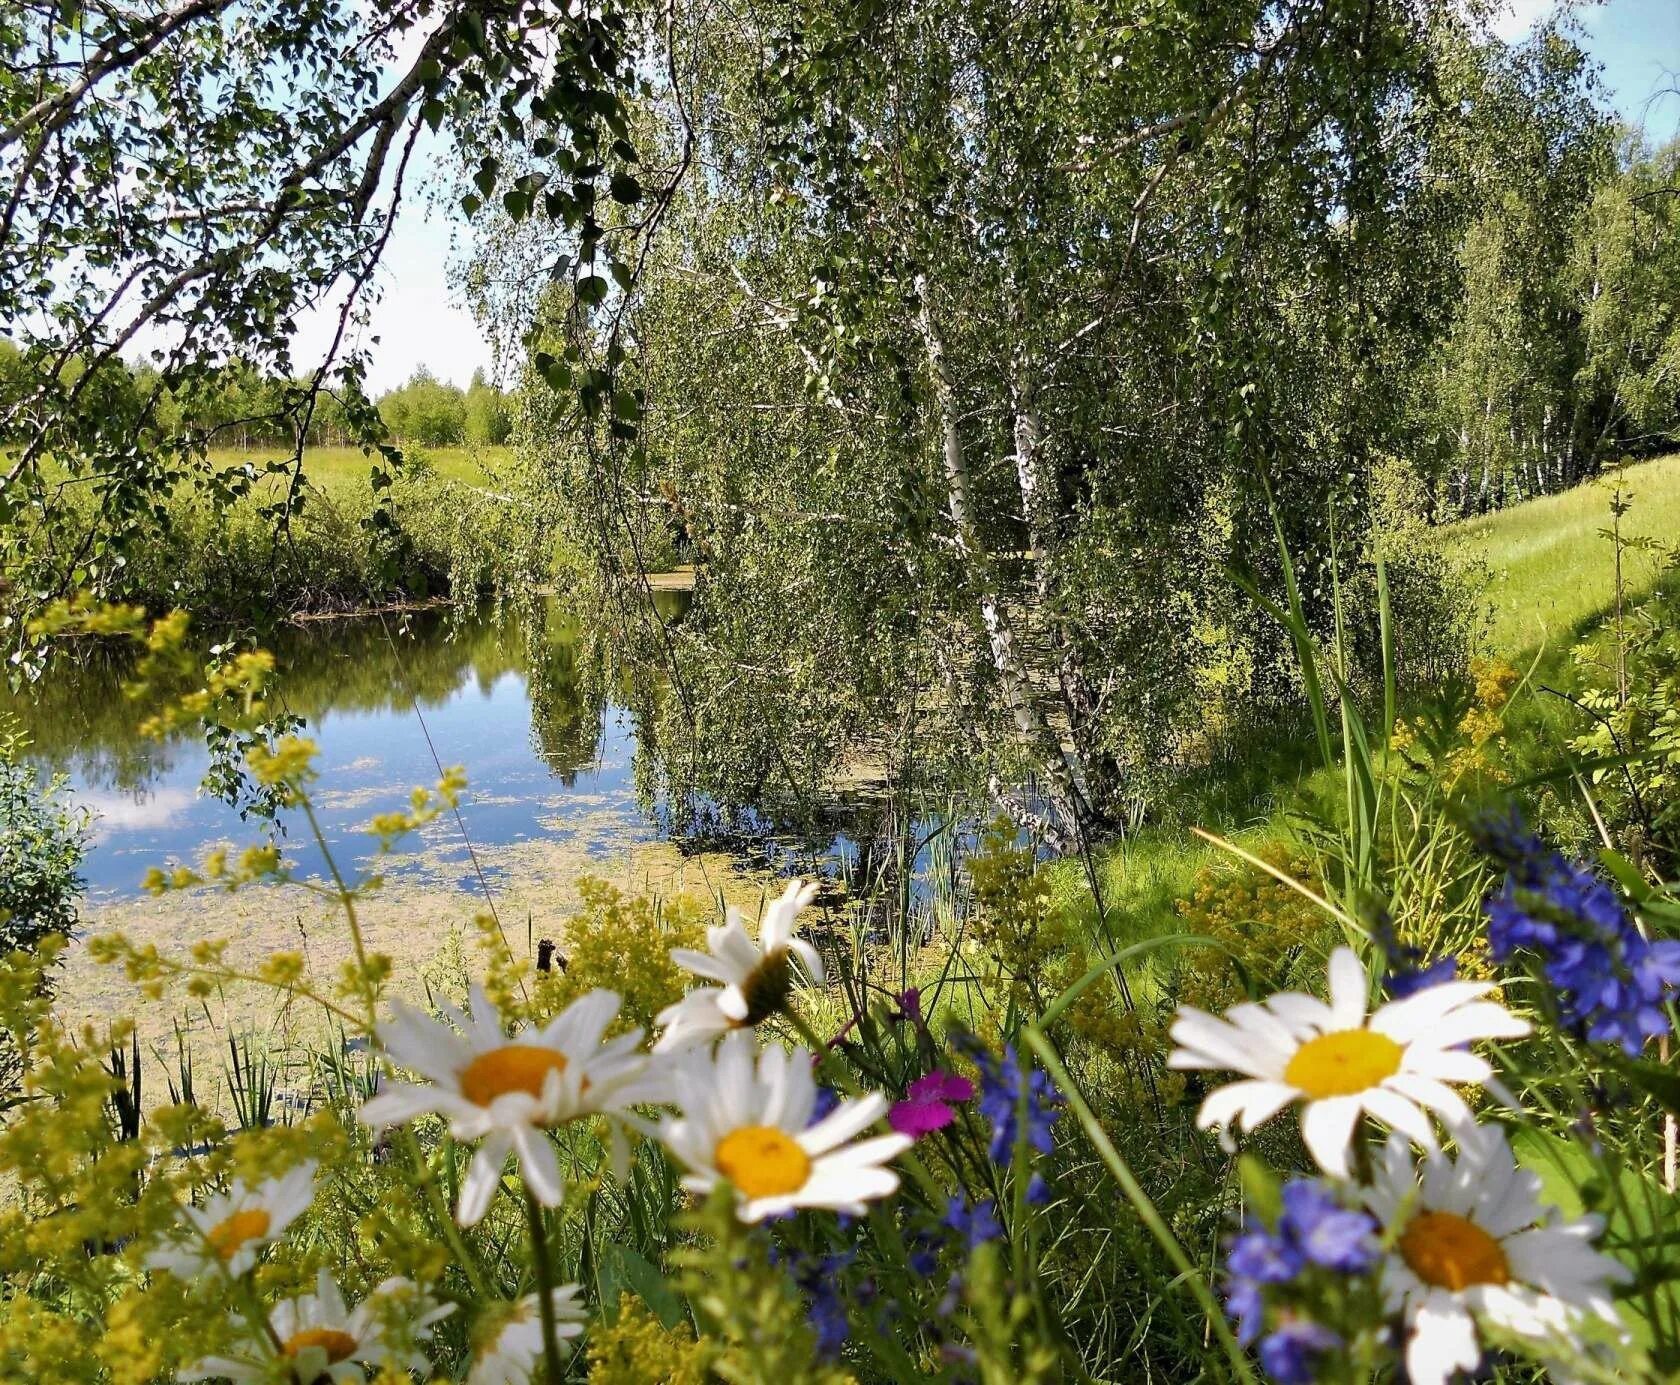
<point>545,1288</point>
<point>1141,1202</point>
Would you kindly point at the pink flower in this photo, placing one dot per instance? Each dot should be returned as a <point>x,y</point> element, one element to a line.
<point>927,1105</point>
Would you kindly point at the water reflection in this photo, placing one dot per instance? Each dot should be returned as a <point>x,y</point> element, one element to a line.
<point>516,701</point>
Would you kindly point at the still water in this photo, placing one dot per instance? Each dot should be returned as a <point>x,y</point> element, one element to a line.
<point>548,751</point>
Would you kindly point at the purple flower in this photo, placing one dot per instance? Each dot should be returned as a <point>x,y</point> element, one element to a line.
<point>1327,1233</point>
<point>825,1104</point>
<point>820,1277</point>
<point>1264,1257</point>
<point>1406,973</point>
<point>1006,1093</point>
<point>910,1005</point>
<point>977,1224</point>
<point>927,1105</point>
<point>1290,1355</point>
<point>1608,981</point>
<point>1316,1230</point>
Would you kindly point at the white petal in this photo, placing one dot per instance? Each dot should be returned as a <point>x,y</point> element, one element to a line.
<point>538,1164</point>
<point>1404,1019</point>
<point>1251,1103</point>
<point>839,1125</point>
<point>484,1176</point>
<point>1350,989</point>
<point>1397,1113</point>
<point>1443,1339</point>
<point>1326,1129</point>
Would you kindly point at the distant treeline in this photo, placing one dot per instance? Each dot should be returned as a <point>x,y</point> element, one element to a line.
<point>1563,354</point>
<point>242,407</point>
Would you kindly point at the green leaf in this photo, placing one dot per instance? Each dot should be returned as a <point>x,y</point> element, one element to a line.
<point>621,1270</point>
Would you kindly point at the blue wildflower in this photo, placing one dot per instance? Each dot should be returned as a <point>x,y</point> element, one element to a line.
<point>1406,972</point>
<point>819,1276</point>
<point>1290,1355</point>
<point>1608,981</point>
<point>1245,1305</point>
<point>923,1262</point>
<point>977,1224</point>
<point>825,1104</point>
<point>1004,1090</point>
<point>1315,1230</point>
<point>827,1315</point>
<point>1327,1233</point>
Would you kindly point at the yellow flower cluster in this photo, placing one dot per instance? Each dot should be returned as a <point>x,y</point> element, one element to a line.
<point>1472,757</point>
<point>1259,923</point>
<point>623,942</point>
<point>636,1348</point>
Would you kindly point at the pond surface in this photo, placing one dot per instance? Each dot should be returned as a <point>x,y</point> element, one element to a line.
<point>547,752</point>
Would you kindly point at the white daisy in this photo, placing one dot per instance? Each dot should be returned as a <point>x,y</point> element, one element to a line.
<point>756,977</point>
<point>227,1233</point>
<point>1341,1063</point>
<point>511,1356</point>
<point>507,1092</point>
<point>750,1124</point>
<point>321,1339</point>
<point>1474,1242</point>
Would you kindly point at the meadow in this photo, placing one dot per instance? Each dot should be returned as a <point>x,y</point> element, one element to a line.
<point>1043,1204</point>
<point>1062,783</point>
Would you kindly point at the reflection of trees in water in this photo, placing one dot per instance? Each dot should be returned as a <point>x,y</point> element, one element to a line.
<point>77,716</point>
<point>566,685</point>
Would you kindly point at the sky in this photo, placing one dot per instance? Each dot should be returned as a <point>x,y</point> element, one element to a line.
<point>419,319</point>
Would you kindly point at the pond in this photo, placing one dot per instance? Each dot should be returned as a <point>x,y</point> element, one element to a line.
<point>548,747</point>
<point>387,701</point>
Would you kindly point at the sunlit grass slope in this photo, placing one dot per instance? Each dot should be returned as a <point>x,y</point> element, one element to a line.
<point>1550,569</point>
<point>328,467</point>
<point>1551,576</point>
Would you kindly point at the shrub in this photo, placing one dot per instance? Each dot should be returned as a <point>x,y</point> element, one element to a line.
<point>42,839</point>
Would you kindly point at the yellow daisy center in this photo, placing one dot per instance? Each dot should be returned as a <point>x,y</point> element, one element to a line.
<point>337,1345</point>
<point>511,1068</point>
<point>228,1235</point>
<point>1450,1252</point>
<point>1342,1063</point>
<point>762,1161</point>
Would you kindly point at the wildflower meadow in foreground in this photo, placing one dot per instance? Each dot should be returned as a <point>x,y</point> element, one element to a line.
<point>1341,1062</point>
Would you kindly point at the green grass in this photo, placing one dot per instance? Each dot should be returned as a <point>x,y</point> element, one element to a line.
<point>1551,572</point>
<point>328,467</point>
<point>1551,578</point>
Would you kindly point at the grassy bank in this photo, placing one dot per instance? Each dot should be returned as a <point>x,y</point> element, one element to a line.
<point>453,525</point>
<point>332,467</point>
<point>1550,569</point>
<point>1549,579</point>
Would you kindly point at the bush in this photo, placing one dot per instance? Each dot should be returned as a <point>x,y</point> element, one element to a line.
<point>42,839</point>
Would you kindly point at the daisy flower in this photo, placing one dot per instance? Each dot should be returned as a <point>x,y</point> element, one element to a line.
<point>749,1124</point>
<point>1475,1243</point>
<point>755,977</point>
<point>511,1356</point>
<point>1340,1062</point>
<point>321,1339</point>
<point>506,1092</point>
<point>228,1232</point>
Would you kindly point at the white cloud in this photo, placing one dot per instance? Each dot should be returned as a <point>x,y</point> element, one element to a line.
<point>1516,19</point>
<point>120,812</point>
